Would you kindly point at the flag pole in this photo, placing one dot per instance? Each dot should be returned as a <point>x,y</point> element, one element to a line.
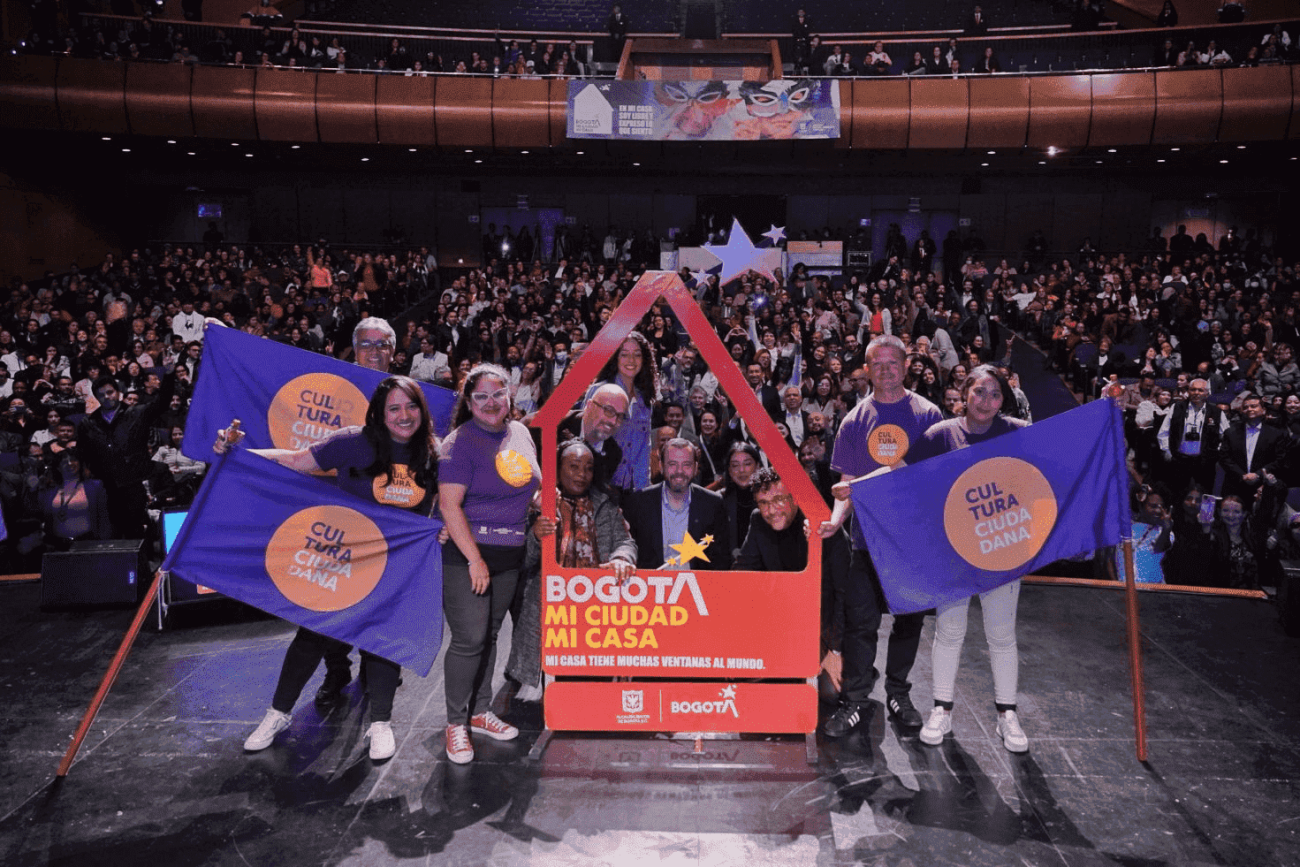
<point>107,683</point>
<point>1135,650</point>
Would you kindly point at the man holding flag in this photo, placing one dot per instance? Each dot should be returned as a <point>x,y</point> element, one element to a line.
<point>877,433</point>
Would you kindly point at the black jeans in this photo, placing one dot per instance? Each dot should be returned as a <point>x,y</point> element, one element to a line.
<point>304,655</point>
<point>864,603</point>
<point>474,622</point>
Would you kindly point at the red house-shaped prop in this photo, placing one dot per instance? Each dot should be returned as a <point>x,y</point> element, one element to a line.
<point>720,633</point>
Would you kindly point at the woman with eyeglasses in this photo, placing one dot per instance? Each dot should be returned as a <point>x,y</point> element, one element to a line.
<point>488,474</point>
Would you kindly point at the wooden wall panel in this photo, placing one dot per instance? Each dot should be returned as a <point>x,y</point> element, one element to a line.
<point>345,108</point>
<point>92,96</point>
<point>158,99</point>
<point>1293,131</point>
<point>1189,105</point>
<point>28,92</point>
<point>940,113</point>
<point>1256,104</point>
<point>999,112</point>
<point>1123,109</point>
<point>879,113</point>
<point>1060,111</point>
<point>222,101</point>
<point>285,102</point>
<point>559,113</point>
<point>404,109</point>
<point>521,113</point>
<point>463,112</point>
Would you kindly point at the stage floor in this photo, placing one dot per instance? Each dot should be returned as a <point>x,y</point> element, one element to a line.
<point>163,779</point>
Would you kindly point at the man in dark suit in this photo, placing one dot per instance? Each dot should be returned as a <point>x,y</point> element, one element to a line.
<point>765,393</point>
<point>1251,452</point>
<point>795,419</point>
<point>670,521</point>
<point>777,542</point>
<point>597,424</point>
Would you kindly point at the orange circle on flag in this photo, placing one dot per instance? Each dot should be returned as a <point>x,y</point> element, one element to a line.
<point>999,513</point>
<point>327,558</point>
<point>309,408</point>
<point>888,444</point>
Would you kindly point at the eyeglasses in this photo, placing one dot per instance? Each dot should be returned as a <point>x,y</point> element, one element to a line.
<point>376,345</point>
<point>609,411</point>
<point>774,502</point>
<point>482,397</point>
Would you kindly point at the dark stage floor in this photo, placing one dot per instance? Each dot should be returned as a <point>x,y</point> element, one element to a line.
<point>163,779</point>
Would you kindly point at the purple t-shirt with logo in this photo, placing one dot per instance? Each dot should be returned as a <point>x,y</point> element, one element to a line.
<point>876,434</point>
<point>500,474</point>
<point>349,452</point>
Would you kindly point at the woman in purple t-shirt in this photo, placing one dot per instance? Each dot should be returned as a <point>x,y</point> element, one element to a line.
<point>389,460</point>
<point>984,391</point>
<point>487,475</point>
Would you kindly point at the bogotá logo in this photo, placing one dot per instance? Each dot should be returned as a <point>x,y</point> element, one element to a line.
<point>326,558</point>
<point>999,514</point>
<point>309,408</point>
<point>726,703</point>
<point>888,444</point>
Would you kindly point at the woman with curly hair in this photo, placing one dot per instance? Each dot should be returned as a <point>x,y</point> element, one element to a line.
<point>635,370</point>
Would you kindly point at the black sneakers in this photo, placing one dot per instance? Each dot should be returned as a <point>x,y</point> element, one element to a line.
<point>902,709</point>
<point>844,720</point>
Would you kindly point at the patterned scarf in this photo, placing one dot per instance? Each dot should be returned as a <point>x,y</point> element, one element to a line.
<point>575,537</point>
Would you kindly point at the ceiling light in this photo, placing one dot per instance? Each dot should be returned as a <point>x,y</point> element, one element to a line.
<point>1160,161</point>
<point>1053,151</point>
<point>365,159</point>
<point>412,150</point>
<point>171,141</point>
<point>1110,150</point>
<point>1175,150</point>
<point>128,150</point>
<point>984,164</point>
<point>991,153</point>
<point>107,138</point>
<point>248,155</point>
<point>294,147</point>
<point>1223,162</point>
<point>191,153</point>
<point>478,162</point>
<point>523,152</point>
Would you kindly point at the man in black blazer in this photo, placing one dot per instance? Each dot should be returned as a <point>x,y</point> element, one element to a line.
<point>1251,451</point>
<point>597,423</point>
<point>795,419</point>
<point>765,393</point>
<point>777,542</point>
<point>684,509</point>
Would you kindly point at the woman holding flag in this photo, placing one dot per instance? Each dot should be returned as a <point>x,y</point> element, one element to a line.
<point>985,391</point>
<point>392,461</point>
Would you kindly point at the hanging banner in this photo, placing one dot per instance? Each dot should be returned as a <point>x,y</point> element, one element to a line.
<point>788,108</point>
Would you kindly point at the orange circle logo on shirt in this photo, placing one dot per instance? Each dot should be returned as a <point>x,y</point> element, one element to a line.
<point>513,468</point>
<point>308,408</point>
<point>327,558</point>
<point>999,514</point>
<point>888,444</point>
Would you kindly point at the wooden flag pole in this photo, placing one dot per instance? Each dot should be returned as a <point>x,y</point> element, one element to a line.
<point>1135,649</point>
<point>107,683</point>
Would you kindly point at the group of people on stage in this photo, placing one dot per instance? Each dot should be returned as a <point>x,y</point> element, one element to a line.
<point>628,502</point>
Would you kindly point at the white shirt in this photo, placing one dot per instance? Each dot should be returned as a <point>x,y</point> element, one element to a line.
<point>188,325</point>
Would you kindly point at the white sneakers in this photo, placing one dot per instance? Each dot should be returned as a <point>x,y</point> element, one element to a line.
<point>271,725</point>
<point>1013,736</point>
<point>382,742</point>
<point>940,724</point>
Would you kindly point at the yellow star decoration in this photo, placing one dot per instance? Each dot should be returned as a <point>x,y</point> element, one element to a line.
<point>688,549</point>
